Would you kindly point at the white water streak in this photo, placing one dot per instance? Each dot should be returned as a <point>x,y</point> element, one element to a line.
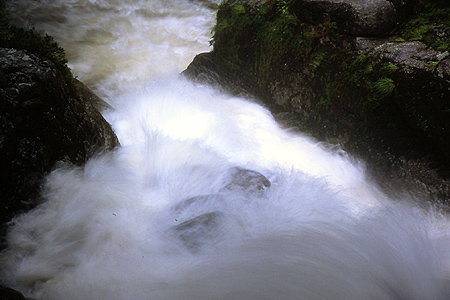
<point>162,217</point>
<point>117,45</point>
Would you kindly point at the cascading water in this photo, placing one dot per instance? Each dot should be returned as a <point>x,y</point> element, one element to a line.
<point>207,198</point>
<point>116,45</point>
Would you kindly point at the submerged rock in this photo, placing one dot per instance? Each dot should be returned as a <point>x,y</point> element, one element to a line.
<point>44,119</point>
<point>247,180</point>
<point>198,201</point>
<point>194,233</point>
<point>201,216</point>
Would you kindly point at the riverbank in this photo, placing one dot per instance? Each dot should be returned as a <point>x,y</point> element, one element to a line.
<point>47,117</point>
<point>206,190</point>
<point>382,96</point>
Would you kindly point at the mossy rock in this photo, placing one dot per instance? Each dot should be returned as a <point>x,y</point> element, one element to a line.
<point>47,116</point>
<point>317,78</point>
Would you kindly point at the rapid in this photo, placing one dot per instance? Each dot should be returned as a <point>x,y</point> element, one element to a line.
<point>207,197</point>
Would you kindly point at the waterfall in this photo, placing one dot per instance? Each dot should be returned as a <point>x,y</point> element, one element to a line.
<point>207,197</point>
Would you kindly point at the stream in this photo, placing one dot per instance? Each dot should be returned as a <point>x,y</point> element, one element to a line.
<point>207,197</point>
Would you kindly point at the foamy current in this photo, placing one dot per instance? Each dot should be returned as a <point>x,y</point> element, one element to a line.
<point>207,197</point>
<point>116,45</point>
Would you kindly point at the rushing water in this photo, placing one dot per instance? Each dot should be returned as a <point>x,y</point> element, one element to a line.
<point>114,45</point>
<point>207,198</point>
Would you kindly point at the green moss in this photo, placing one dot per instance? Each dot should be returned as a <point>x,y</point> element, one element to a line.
<point>340,82</point>
<point>30,40</point>
<point>431,17</point>
<point>271,34</point>
<point>390,68</point>
<point>384,86</point>
<point>433,64</point>
<point>231,19</point>
<point>272,41</point>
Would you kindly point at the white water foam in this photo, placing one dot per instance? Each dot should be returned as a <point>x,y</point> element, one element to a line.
<point>163,217</point>
<point>207,198</point>
<point>115,45</point>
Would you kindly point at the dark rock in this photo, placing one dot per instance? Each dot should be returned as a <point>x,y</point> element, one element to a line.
<point>404,8</point>
<point>443,69</point>
<point>422,89</point>
<point>10,294</point>
<point>194,233</point>
<point>199,201</point>
<point>88,96</point>
<point>44,119</point>
<point>355,17</point>
<point>385,102</point>
<point>206,70</point>
<point>247,180</point>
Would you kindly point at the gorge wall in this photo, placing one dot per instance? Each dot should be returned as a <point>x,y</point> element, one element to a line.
<point>373,79</point>
<point>371,76</point>
<point>47,117</point>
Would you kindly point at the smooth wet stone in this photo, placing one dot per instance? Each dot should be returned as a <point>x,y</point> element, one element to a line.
<point>194,233</point>
<point>247,180</point>
<point>203,227</point>
<point>197,201</point>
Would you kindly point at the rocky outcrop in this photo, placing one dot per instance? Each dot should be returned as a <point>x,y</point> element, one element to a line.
<point>345,72</point>
<point>354,17</point>
<point>10,294</point>
<point>422,87</point>
<point>372,18</point>
<point>44,119</point>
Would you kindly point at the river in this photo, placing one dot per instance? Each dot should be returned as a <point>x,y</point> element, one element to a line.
<point>207,197</point>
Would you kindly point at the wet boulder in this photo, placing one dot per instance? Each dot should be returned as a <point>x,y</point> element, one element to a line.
<point>355,17</point>
<point>422,88</point>
<point>10,294</point>
<point>202,217</point>
<point>198,202</point>
<point>196,232</point>
<point>247,180</point>
<point>44,119</point>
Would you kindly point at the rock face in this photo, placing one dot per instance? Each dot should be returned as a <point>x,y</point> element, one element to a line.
<point>10,294</point>
<point>355,17</point>
<point>352,73</point>
<point>43,120</point>
<point>368,18</point>
<point>421,71</point>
